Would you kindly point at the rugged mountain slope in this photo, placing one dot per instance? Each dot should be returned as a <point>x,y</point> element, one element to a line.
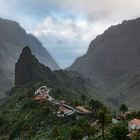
<point>21,117</point>
<point>12,40</point>
<point>113,63</point>
<point>28,71</point>
<point>43,56</point>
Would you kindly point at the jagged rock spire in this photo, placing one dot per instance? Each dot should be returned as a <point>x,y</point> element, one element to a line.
<point>28,69</point>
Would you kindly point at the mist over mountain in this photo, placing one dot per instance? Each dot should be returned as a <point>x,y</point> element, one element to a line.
<point>12,40</point>
<point>113,63</point>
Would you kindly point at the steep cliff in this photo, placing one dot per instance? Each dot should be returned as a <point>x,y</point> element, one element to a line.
<point>29,70</point>
<point>113,63</point>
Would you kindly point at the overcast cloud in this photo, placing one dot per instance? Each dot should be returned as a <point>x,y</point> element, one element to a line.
<point>66,27</point>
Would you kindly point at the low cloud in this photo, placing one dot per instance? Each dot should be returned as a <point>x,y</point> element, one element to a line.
<point>66,37</point>
<point>66,27</point>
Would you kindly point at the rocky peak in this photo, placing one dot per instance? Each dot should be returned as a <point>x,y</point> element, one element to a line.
<point>13,38</point>
<point>26,51</point>
<point>23,70</point>
<point>28,69</point>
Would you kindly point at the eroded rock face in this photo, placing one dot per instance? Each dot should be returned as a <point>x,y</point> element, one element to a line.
<point>113,61</point>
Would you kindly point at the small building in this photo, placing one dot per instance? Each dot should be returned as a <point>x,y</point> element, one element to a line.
<point>64,112</point>
<point>114,121</point>
<point>40,98</point>
<point>132,134</point>
<point>43,92</point>
<point>83,110</point>
<point>96,124</point>
<point>134,124</point>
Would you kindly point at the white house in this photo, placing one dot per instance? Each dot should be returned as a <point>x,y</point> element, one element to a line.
<point>114,121</point>
<point>44,92</point>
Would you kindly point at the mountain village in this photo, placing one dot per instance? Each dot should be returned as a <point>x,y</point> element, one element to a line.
<point>42,94</point>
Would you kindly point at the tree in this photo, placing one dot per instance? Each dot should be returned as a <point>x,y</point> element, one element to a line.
<point>95,105</point>
<point>83,97</point>
<point>76,134</point>
<point>87,129</point>
<point>55,133</point>
<point>136,138</point>
<point>123,108</point>
<point>75,103</point>
<point>98,105</point>
<point>118,132</point>
<point>103,120</point>
<point>92,103</point>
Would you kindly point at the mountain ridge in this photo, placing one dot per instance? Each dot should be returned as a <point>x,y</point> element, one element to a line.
<point>29,71</point>
<point>12,41</point>
<point>112,62</point>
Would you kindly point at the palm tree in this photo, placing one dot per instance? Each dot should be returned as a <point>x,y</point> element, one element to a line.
<point>92,103</point>
<point>83,97</point>
<point>98,105</point>
<point>123,108</point>
<point>118,132</point>
<point>103,120</point>
<point>95,105</point>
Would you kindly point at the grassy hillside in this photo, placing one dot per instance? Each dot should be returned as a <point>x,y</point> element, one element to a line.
<point>22,117</point>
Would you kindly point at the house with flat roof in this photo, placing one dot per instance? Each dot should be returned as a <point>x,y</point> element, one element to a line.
<point>64,112</point>
<point>83,110</point>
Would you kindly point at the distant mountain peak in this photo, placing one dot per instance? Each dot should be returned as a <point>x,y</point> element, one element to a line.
<point>26,51</point>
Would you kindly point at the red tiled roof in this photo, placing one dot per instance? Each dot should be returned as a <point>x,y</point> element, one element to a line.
<point>39,98</point>
<point>135,121</point>
<point>64,110</point>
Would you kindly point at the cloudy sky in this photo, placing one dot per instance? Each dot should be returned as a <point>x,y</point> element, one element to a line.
<point>66,27</point>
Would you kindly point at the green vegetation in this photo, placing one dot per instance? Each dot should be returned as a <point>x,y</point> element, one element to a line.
<point>123,108</point>
<point>22,118</point>
<point>118,132</point>
<point>95,105</point>
<point>83,97</point>
<point>104,120</point>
